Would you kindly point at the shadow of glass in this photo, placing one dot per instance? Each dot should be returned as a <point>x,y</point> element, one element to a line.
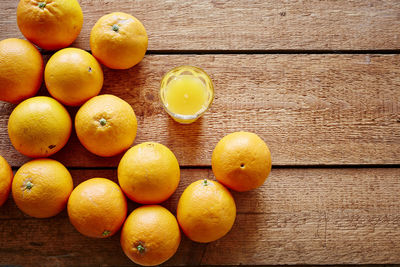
<point>188,138</point>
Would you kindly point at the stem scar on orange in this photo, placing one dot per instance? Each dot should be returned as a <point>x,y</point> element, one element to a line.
<point>118,40</point>
<point>150,235</point>
<point>106,125</point>
<point>41,188</point>
<point>50,24</point>
<point>241,161</point>
<point>97,208</point>
<point>73,76</point>
<point>39,127</point>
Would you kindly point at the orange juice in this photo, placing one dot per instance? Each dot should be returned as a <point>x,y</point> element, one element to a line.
<point>186,93</point>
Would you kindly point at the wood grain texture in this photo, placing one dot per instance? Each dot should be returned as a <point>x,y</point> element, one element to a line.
<point>299,216</point>
<point>238,25</point>
<point>310,109</point>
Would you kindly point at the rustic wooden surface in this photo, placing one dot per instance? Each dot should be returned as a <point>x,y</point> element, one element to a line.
<point>300,216</point>
<point>243,25</point>
<point>331,120</point>
<point>346,105</point>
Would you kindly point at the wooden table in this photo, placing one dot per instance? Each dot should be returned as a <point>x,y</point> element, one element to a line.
<point>319,81</point>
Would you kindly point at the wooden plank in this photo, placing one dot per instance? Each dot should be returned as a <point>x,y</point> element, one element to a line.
<point>329,216</point>
<point>299,216</point>
<point>238,25</point>
<point>310,109</point>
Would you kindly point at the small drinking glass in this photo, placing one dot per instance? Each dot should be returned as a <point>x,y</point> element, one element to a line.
<point>186,93</point>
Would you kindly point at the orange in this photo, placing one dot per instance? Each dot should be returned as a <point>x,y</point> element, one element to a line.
<point>206,211</point>
<point>50,24</point>
<point>150,235</point>
<point>73,76</point>
<point>21,70</point>
<point>41,188</point>
<point>106,125</point>
<point>118,40</point>
<point>6,177</point>
<point>39,127</point>
<point>241,161</point>
<point>149,173</point>
<point>97,208</point>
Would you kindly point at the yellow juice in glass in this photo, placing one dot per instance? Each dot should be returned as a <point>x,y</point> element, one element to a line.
<point>186,93</point>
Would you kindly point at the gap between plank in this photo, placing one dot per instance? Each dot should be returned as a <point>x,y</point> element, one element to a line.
<point>186,167</point>
<point>260,52</point>
<point>270,52</point>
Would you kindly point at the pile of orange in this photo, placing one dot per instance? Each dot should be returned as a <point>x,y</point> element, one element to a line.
<point>106,125</point>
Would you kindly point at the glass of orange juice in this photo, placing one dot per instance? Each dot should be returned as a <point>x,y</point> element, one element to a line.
<point>186,93</point>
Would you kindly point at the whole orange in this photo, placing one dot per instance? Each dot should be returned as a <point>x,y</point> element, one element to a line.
<point>73,76</point>
<point>106,125</point>
<point>6,177</point>
<point>39,127</point>
<point>149,173</point>
<point>21,70</point>
<point>50,24</point>
<point>150,235</point>
<point>41,188</point>
<point>118,40</point>
<point>97,208</point>
<point>241,161</point>
<point>206,211</point>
